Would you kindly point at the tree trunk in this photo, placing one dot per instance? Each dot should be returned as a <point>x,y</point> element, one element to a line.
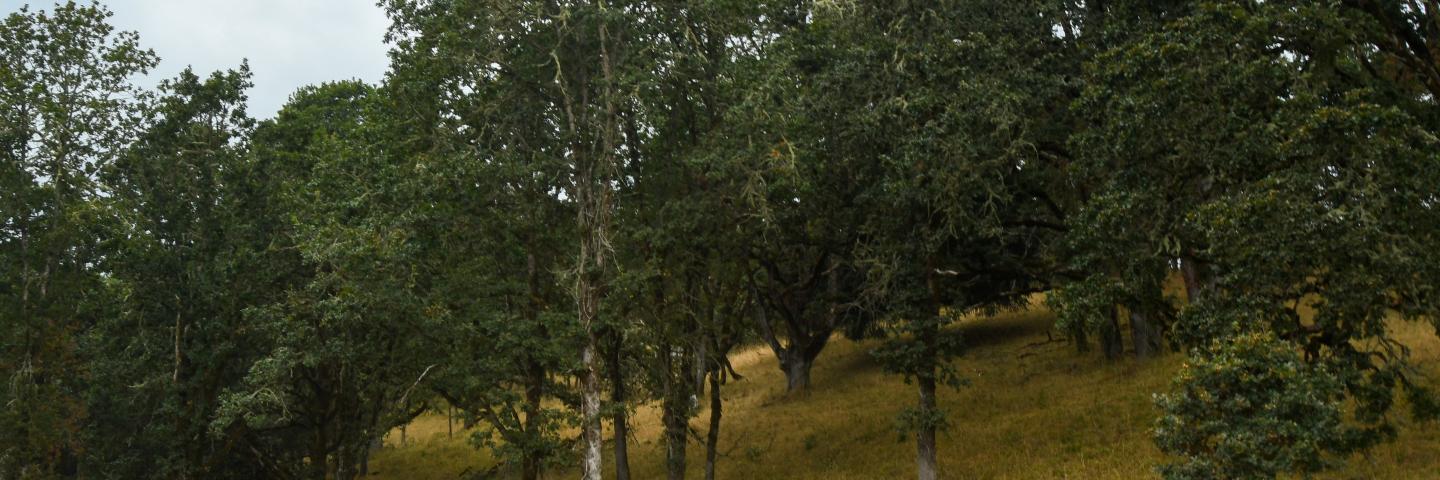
<point>529,467</point>
<point>1196,278</point>
<point>797,358</point>
<point>530,461</point>
<point>318,454</point>
<point>675,430</point>
<point>1080,337</point>
<point>590,410</point>
<point>699,368</point>
<point>370,448</point>
<point>344,464</point>
<point>1145,335</point>
<point>925,435</point>
<point>674,410</point>
<point>1110,341</point>
<point>797,372</point>
<point>928,335</point>
<point>588,293</point>
<point>617,397</point>
<point>593,211</point>
<point>712,438</point>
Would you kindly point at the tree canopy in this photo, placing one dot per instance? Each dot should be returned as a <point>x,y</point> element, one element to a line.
<point>553,213</point>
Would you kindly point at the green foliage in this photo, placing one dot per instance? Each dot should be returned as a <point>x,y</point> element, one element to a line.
<point>792,189</point>
<point>540,187</point>
<point>345,345</point>
<point>66,111</point>
<point>912,358</point>
<point>163,358</point>
<point>931,114</point>
<point>496,112</point>
<point>912,420</point>
<point>1251,408</point>
<point>1258,144</point>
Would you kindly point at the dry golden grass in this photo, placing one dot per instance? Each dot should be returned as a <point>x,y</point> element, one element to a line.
<point>429,451</point>
<point>1033,410</point>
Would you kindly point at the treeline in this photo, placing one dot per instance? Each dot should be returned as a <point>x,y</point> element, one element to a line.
<point>550,212</point>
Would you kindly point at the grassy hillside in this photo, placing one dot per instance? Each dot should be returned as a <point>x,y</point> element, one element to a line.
<point>1034,409</point>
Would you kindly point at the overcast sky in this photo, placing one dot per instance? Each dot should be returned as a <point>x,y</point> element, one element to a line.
<point>290,43</point>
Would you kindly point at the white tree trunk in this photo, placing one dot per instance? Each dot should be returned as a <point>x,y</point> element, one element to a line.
<point>590,410</point>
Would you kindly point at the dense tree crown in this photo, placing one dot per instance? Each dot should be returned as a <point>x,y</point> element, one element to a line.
<point>551,213</point>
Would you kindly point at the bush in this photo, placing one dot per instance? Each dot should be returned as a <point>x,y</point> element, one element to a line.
<point>1249,407</point>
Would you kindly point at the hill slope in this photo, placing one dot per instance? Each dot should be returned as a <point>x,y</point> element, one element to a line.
<point>1033,409</point>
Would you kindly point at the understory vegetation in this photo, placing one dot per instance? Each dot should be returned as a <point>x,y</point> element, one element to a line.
<point>1033,410</point>
<point>734,239</point>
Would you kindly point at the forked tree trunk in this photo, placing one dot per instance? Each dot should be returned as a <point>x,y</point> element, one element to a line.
<point>798,357</point>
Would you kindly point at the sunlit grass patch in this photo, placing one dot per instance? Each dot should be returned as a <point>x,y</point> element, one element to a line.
<point>1033,409</point>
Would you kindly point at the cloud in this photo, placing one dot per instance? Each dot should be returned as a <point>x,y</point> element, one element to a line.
<point>289,43</point>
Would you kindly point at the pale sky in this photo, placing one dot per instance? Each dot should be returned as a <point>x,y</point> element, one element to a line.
<point>290,43</point>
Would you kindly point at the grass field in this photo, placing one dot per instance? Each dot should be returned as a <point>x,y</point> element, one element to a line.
<point>1033,409</point>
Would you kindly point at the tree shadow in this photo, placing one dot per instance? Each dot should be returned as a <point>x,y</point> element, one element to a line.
<point>1003,329</point>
